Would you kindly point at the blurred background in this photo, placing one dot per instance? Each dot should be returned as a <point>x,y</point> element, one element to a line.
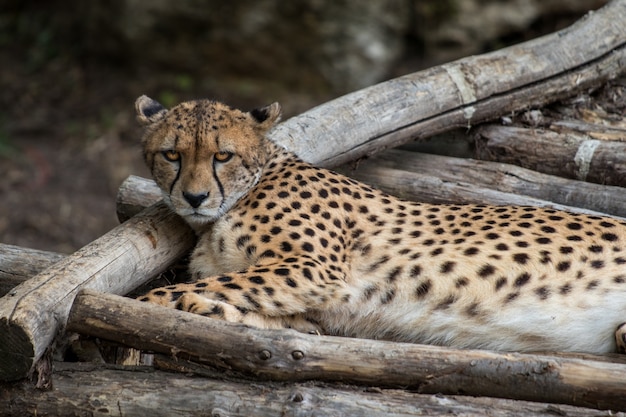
<point>70,71</point>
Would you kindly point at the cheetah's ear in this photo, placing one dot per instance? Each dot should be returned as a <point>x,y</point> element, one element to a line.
<point>148,110</point>
<point>267,116</point>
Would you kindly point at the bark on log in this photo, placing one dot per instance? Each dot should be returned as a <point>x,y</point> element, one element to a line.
<point>86,389</point>
<point>463,92</point>
<point>432,189</point>
<point>287,355</point>
<point>36,310</point>
<point>570,155</point>
<point>18,264</point>
<point>134,195</point>
<point>501,177</point>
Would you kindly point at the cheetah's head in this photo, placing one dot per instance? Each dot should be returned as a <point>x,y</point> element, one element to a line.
<point>204,155</point>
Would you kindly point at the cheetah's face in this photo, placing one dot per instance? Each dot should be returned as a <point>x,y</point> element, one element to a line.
<point>204,155</point>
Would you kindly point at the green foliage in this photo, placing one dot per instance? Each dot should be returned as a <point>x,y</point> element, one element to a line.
<point>168,98</point>
<point>183,85</point>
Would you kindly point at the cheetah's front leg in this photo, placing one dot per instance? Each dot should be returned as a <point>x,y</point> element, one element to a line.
<point>197,304</point>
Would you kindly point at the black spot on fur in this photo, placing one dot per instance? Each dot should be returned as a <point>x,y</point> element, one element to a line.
<point>563,266</point>
<point>388,296</point>
<point>543,292</point>
<point>520,258</point>
<point>447,267</point>
<point>593,284</point>
<point>565,289</point>
<point>394,273</point>
<point>461,282</point>
<point>470,251</point>
<point>416,270</point>
<point>472,310</point>
<point>423,289</point>
<point>500,282</point>
<point>445,304</point>
<point>522,279</point>
<point>486,271</point>
<point>609,237</point>
<point>257,279</point>
<point>232,286</point>
<point>597,264</point>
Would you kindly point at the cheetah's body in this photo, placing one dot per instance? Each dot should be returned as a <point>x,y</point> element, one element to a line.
<point>304,247</point>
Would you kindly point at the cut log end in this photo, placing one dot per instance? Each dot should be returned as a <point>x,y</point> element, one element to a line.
<point>16,352</point>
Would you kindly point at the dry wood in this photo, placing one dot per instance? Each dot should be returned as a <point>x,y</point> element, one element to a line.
<point>86,389</point>
<point>287,355</point>
<point>502,177</point>
<point>18,264</point>
<point>432,189</point>
<point>134,195</point>
<point>462,93</point>
<point>570,155</point>
<point>36,310</point>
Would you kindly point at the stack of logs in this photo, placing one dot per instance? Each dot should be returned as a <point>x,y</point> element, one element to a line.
<point>566,156</point>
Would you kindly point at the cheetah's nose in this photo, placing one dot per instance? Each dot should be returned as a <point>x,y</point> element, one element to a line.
<point>195,200</point>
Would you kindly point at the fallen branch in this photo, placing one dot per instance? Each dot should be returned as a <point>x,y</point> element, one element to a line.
<point>462,93</point>
<point>34,312</point>
<point>286,355</point>
<point>482,175</point>
<point>570,155</point>
<point>134,195</point>
<point>87,389</point>
<point>18,264</point>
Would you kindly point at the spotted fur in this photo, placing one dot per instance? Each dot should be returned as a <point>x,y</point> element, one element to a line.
<point>283,243</point>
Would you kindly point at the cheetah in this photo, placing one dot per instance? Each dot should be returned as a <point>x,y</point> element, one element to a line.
<point>285,244</point>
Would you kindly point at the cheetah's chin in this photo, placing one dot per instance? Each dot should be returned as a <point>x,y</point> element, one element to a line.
<point>198,219</point>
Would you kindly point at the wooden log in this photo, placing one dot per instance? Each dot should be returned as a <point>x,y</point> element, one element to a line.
<point>570,155</point>
<point>502,177</point>
<point>87,389</point>
<point>36,310</point>
<point>18,264</point>
<point>134,195</point>
<point>287,355</point>
<point>462,93</point>
<point>432,189</point>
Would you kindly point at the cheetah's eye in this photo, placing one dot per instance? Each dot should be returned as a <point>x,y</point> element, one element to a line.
<point>171,155</point>
<point>223,156</point>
